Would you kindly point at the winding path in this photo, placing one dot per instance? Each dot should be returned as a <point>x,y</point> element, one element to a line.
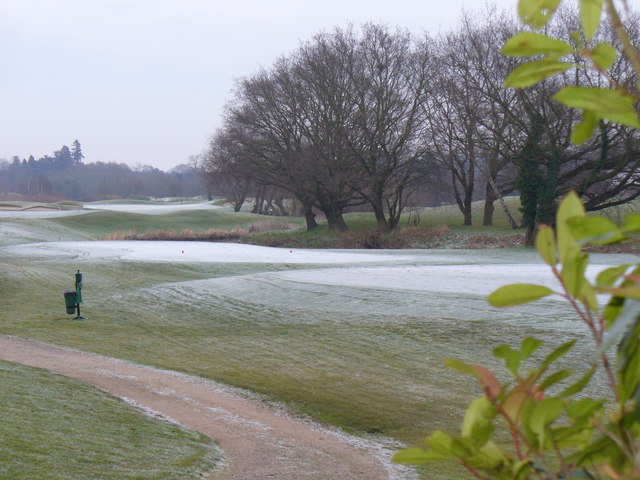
<point>259,440</point>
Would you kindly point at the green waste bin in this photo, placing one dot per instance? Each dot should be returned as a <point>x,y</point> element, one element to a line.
<point>70,301</point>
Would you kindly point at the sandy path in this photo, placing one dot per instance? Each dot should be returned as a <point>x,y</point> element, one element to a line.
<point>258,440</point>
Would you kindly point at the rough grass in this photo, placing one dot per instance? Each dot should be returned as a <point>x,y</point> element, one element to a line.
<point>209,235</point>
<point>56,428</point>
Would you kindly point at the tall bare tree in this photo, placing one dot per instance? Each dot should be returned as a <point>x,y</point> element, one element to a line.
<point>390,80</point>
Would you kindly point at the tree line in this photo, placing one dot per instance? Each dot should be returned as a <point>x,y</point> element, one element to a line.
<point>370,115</point>
<point>65,175</point>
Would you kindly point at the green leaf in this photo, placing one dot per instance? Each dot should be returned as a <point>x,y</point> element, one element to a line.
<point>603,55</point>
<point>570,437</point>
<point>521,469</point>
<point>529,345</point>
<point>583,408</point>
<point>583,131</point>
<point>612,310</point>
<point>623,291</point>
<point>557,353</point>
<point>546,245</point>
<point>543,414</point>
<point>576,38</point>
<point>608,277</point>
<point>573,271</point>
<point>588,296</point>
<point>478,420</point>
<point>418,456</point>
<point>598,230</point>
<point>529,44</point>
<point>569,207</point>
<point>490,456</point>
<point>590,13</point>
<point>619,295</point>
<point>629,364</point>
<point>608,104</point>
<point>440,442</point>
<point>511,357</point>
<point>534,72</point>
<point>578,386</point>
<point>631,223</point>
<point>463,448</point>
<point>459,366</point>
<point>627,316</point>
<point>517,294</point>
<point>554,378</point>
<point>536,13</point>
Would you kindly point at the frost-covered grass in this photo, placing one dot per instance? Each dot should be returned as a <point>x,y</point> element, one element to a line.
<point>56,428</point>
<point>101,223</point>
<point>331,339</point>
<point>357,339</point>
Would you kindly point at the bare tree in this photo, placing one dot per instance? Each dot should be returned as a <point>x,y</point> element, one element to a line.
<point>390,80</point>
<point>227,171</point>
<point>470,113</point>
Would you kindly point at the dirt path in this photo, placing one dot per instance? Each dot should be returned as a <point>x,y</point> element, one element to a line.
<point>258,440</point>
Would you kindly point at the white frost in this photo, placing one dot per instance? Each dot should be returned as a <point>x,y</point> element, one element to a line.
<point>460,279</point>
<point>151,209</point>
<point>189,252</point>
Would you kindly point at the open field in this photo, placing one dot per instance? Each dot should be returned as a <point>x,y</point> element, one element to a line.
<point>356,339</point>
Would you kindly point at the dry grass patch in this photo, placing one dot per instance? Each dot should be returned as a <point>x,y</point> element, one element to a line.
<point>189,234</point>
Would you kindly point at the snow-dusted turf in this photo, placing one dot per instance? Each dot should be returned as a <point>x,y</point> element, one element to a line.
<point>116,207</point>
<point>357,335</point>
<point>463,279</point>
<point>11,214</point>
<point>151,209</point>
<point>464,272</point>
<point>189,252</point>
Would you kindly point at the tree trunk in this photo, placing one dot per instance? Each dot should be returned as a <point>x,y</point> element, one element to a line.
<point>395,210</point>
<point>466,215</point>
<point>238,205</point>
<point>500,198</point>
<point>466,211</point>
<point>309,217</point>
<point>279,202</point>
<point>258,207</point>
<point>335,221</point>
<point>378,210</point>
<point>530,236</point>
<point>463,202</point>
<point>487,219</point>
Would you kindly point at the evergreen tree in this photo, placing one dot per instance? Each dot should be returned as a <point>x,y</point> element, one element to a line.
<point>548,189</point>
<point>76,152</point>
<point>62,158</point>
<point>530,176</point>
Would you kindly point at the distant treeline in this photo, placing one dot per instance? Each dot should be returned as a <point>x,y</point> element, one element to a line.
<point>64,175</point>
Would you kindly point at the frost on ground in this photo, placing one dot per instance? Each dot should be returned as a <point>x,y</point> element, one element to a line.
<point>151,209</point>
<point>461,279</point>
<point>190,252</point>
<point>35,214</point>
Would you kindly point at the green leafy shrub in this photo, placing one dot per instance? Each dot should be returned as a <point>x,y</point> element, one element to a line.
<point>555,429</point>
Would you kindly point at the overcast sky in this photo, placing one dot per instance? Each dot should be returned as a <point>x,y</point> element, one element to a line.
<point>144,81</point>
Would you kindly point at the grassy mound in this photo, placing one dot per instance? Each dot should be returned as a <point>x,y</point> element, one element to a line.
<point>101,224</point>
